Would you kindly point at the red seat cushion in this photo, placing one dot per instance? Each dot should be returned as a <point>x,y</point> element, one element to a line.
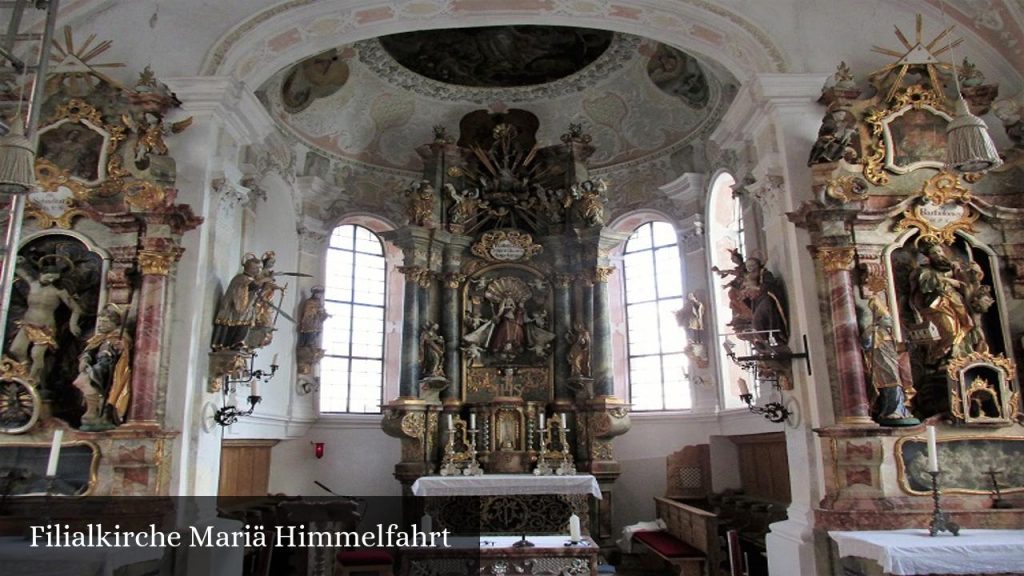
<point>667,545</point>
<point>363,557</point>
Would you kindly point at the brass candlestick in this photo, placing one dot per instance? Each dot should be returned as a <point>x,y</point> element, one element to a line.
<point>940,520</point>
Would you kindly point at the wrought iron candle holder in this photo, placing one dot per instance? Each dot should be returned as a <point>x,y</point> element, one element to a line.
<point>227,414</point>
<point>773,411</point>
<point>940,520</point>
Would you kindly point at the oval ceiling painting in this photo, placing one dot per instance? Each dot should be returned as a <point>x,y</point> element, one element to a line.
<point>498,56</point>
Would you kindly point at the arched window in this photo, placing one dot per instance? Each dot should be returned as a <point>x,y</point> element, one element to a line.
<point>725,234</point>
<point>654,292</point>
<point>352,370</point>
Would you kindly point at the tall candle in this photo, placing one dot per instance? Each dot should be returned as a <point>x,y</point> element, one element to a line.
<point>574,528</point>
<point>565,422</point>
<point>933,451</point>
<point>472,420</point>
<point>254,389</point>
<point>541,416</point>
<point>51,465</point>
<point>449,418</point>
<point>273,362</point>
<point>743,387</point>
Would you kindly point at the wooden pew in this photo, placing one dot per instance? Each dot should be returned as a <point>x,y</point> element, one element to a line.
<point>690,541</point>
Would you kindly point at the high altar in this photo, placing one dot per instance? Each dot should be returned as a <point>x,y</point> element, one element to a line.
<point>507,328</point>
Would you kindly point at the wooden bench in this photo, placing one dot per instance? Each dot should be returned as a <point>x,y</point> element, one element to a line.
<point>690,540</point>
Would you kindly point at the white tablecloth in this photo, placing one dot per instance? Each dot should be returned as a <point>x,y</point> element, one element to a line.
<point>913,551</point>
<point>505,484</point>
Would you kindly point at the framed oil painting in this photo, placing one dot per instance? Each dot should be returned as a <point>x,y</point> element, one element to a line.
<point>915,137</point>
<point>77,147</point>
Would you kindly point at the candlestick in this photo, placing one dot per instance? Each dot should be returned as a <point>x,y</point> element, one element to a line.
<point>51,464</point>
<point>933,451</point>
<point>574,528</point>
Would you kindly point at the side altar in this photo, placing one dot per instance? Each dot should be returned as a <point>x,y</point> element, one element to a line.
<point>506,340</point>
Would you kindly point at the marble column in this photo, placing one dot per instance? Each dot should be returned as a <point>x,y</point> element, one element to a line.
<point>562,284</point>
<point>838,263</point>
<point>601,354</point>
<point>451,314</point>
<point>155,264</point>
<point>409,378</point>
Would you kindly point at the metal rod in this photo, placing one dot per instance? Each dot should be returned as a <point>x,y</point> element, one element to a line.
<point>35,104</point>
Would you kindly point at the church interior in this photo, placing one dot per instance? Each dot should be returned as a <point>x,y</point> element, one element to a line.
<point>712,286</point>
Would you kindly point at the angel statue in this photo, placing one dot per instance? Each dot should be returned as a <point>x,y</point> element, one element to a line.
<point>466,206</point>
<point>420,204</point>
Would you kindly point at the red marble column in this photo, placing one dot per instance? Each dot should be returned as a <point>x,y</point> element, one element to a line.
<point>838,264</point>
<point>154,265</point>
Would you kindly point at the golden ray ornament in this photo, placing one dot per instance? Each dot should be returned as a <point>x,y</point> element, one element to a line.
<point>73,68</point>
<point>915,55</point>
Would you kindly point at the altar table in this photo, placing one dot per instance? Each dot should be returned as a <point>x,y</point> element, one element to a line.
<point>486,555</point>
<point>913,551</point>
<point>506,485</point>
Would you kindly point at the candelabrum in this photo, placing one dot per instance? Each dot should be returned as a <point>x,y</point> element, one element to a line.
<point>227,415</point>
<point>773,411</point>
<point>940,520</point>
<point>456,461</point>
<point>548,455</point>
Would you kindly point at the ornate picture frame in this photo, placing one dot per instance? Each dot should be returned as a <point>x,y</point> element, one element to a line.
<point>907,136</point>
<point>77,145</point>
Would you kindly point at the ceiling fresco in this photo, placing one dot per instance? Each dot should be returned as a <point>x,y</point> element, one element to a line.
<point>637,98</point>
<point>497,56</point>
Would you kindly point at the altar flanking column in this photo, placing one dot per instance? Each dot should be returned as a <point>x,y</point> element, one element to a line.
<point>410,332</point>
<point>837,263</point>
<point>601,358</point>
<point>155,263</point>
<point>451,313</point>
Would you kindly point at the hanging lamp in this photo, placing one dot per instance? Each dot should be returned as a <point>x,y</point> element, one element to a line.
<point>969,147</point>
<point>17,161</point>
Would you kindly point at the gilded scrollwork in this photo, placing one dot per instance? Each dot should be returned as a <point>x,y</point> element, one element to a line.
<point>945,187</point>
<point>882,153</point>
<point>957,364</point>
<point>603,273</point>
<point>453,280</point>
<point>418,274</point>
<point>506,246</point>
<point>847,188</point>
<point>157,263</point>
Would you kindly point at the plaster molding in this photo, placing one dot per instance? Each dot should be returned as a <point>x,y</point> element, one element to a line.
<point>758,100</point>
<point>228,100</point>
<point>689,187</point>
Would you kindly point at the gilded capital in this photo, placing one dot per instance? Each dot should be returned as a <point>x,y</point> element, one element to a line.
<point>836,259</point>
<point>563,280</point>
<point>602,273</point>
<point>156,263</point>
<point>453,280</point>
<point>417,274</point>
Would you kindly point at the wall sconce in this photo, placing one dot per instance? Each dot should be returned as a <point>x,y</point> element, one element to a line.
<point>773,411</point>
<point>769,365</point>
<point>318,449</point>
<point>227,415</point>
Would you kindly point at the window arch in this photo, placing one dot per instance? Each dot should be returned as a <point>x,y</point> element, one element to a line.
<point>725,234</point>
<point>352,369</point>
<point>653,286</point>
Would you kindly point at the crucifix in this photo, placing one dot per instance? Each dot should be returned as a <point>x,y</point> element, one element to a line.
<point>998,501</point>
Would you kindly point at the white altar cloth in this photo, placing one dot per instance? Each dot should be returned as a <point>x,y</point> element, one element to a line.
<point>505,484</point>
<point>913,551</point>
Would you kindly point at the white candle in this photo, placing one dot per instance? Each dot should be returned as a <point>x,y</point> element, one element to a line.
<point>933,451</point>
<point>449,418</point>
<point>574,528</point>
<point>273,361</point>
<point>472,420</point>
<point>51,465</point>
<point>541,416</point>
<point>565,421</point>
<point>254,390</point>
<point>743,387</point>
<point>426,523</point>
